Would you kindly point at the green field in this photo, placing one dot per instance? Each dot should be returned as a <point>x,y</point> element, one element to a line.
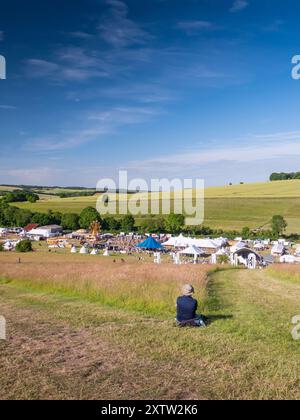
<point>230,207</point>
<point>71,343</point>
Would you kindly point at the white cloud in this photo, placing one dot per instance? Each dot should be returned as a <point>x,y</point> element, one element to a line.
<point>239,5</point>
<point>118,30</point>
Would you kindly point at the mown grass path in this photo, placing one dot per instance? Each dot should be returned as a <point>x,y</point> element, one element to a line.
<point>62,347</point>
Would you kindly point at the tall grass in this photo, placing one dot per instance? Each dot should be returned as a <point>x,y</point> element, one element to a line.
<point>133,285</point>
<point>289,273</point>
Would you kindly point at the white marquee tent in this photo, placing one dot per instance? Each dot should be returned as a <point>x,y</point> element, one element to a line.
<point>183,242</point>
<point>192,250</point>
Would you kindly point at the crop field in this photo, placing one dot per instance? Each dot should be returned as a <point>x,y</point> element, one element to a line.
<point>88,328</point>
<point>222,213</point>
<point>228,208</point>
<point>7,188</point>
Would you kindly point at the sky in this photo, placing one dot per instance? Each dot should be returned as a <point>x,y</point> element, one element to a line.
<point>160,88</point>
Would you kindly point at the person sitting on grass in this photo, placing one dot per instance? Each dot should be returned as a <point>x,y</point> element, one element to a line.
<point>187,309</point>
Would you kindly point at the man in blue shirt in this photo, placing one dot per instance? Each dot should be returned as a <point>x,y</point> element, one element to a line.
<point>187,308</point>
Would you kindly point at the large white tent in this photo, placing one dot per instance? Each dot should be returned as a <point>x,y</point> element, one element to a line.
<point>183,242</point>
<point>178,242</point>
<point>205,244</point>
<point>192,250</point>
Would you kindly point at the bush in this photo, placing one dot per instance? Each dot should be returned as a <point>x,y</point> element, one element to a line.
<point>223,259</point>
<point>24,246</point>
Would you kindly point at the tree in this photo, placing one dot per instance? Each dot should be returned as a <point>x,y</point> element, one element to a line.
<point>174,223</point>
<point>1,247</point>
<point>128,223</point>
<point>24,246</point>
<point>20,196</point>
<point>70,221</point>
<point>111,224</point>
<point>152,225</point>
<point>50,218</point>
<point>87,216</point>
<point>278,224</point>
<point>246,233</point>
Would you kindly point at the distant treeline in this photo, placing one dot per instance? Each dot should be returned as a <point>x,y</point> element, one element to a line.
<point>41,187</point>
<point>284,176</point>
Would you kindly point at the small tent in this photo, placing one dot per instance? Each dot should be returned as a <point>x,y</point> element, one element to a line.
<point>150,243</point>
<point>95,252</point>
<point>84,250</point>
<point>74,250</point>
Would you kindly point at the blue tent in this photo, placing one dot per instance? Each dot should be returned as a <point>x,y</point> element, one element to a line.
<point>150,243</point>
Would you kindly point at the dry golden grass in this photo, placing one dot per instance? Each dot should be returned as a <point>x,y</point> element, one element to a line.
<point>63,347</point>
<point>133,285</point>
<point>287,272</point>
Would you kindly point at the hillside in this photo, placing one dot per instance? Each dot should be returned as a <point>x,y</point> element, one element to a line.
<point>229,207</point>
<point>262,190</point>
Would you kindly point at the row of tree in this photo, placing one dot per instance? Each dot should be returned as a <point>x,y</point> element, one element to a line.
<point>284,176</point>
<point>11,216</point>
<point>20,197</point>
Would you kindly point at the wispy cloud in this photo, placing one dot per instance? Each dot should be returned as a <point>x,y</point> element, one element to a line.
<point>8,107</point>
<point>118,30</point>
<point>69,64</point>
<point>97,126</point>
<point>252,149</point>
<point>239,5</point>
<point>195,26</point>
<point>28,175</point>
<point>125,115</point>
<point>65,140</point>
<point>274,26</point>
<point>81,35</point>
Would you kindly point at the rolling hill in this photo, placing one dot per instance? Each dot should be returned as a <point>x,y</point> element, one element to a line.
<point>229,207</point>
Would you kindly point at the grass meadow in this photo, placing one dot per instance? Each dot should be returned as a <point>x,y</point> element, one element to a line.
<point>89,328</point>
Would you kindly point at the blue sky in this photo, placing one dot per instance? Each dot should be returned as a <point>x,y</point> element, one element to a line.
<point>168,88</point>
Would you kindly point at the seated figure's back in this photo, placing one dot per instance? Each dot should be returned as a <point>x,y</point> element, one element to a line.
<point>186,308</point>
